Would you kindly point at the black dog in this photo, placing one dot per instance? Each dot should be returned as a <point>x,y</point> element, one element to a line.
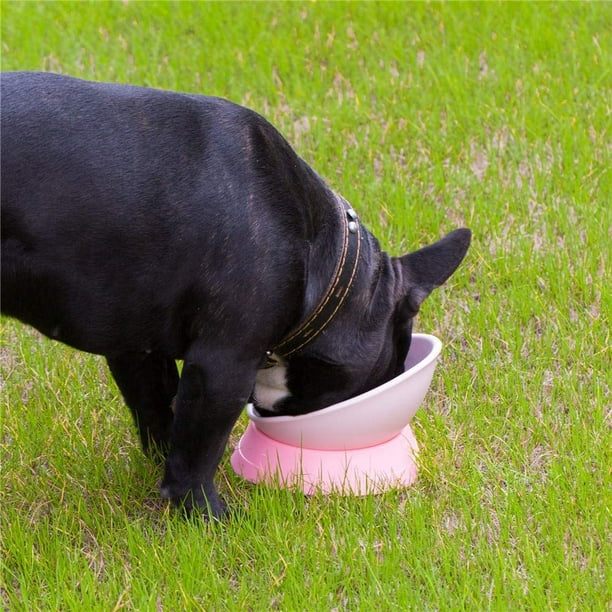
<point>150,226</point>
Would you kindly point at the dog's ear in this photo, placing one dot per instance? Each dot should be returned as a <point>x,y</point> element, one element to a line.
<point>424,270</point>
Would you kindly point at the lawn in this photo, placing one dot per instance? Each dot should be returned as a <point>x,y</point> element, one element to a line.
<point>426,117</point>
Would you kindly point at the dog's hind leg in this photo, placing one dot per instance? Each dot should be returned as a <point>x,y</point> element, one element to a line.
<point>148,383</point>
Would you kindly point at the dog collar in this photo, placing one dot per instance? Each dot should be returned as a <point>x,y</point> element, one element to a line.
<point>336,292</point>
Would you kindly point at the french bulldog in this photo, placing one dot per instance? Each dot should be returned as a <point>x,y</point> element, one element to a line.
<point>149,226</point>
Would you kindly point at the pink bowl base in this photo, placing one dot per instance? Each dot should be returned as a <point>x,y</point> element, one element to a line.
<point>371,470</point>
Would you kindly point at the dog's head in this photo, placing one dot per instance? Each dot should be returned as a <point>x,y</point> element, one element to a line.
<point>367,344</point>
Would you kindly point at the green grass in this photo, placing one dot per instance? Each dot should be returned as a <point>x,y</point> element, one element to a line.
<point>426,117</point>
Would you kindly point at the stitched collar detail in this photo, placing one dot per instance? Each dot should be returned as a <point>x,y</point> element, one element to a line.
<point>336,292</point>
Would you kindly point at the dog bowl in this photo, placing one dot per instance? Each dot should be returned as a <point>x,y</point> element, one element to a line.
<point>361,445</point>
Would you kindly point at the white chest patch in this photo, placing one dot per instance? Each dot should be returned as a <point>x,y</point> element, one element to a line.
<point>271,386</point>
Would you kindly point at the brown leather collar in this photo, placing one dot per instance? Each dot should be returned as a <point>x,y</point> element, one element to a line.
<point>336,292</point>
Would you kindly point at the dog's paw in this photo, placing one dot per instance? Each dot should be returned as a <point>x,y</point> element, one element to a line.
<point>194,503</point>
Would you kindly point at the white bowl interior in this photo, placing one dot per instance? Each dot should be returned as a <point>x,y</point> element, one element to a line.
<point>367,419</point>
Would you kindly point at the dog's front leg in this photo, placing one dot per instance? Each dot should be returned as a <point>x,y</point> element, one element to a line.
<point>210,398</point>
<point>148,383</point>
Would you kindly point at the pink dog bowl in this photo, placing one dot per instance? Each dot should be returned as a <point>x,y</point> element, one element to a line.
<point>359,446</point>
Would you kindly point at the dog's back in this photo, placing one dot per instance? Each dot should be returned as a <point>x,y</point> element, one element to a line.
<point>109,194</point>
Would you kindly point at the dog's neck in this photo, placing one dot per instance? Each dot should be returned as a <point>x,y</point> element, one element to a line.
<point>330,300</point>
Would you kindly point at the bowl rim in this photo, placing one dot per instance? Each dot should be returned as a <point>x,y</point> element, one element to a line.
<point>434,352</point>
